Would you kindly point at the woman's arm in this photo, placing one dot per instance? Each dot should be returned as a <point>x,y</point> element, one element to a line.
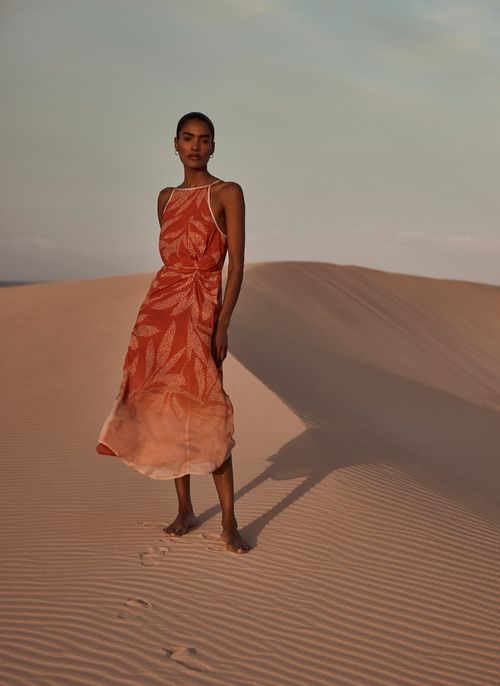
<point>233,202</point>
<point>163,198</point>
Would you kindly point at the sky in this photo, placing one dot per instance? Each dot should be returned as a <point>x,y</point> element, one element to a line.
<point>362,132</point>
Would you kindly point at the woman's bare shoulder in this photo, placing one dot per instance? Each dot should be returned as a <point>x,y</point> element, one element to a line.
<point>230,189</point>
<point>164,193</point>
<point>230,184</point>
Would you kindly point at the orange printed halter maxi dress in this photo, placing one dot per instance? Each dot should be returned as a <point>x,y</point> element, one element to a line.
<point>171,415</point>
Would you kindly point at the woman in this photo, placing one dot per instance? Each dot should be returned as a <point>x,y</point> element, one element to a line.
<point>172,417</point>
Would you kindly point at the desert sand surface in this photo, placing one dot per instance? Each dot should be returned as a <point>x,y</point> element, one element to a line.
<point>367,465</point>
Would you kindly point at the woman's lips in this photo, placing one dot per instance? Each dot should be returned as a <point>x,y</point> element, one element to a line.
<point>194,157</point>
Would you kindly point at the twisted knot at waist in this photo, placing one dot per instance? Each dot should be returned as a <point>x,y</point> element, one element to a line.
<point>192,268</point>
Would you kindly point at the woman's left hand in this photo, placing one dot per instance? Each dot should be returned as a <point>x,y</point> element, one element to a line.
<point>219,343</point>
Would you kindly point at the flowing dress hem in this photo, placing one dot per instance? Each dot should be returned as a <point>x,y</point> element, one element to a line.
<point>164,473</point>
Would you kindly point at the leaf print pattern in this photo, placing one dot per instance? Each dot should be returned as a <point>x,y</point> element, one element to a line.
<point>171,415</point>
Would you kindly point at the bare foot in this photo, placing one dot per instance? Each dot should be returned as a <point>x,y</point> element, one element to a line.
<point>234,542</point>
<point>181,524</point>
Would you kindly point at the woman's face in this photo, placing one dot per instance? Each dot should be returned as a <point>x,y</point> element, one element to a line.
<point>194,144</point>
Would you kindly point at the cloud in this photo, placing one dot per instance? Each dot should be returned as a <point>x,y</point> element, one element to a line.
<point>40,242</point>
<point>59,247</point>
<point>412,44</point>
<point>466,29</point>
<point>480,242</point>
<point>191,13</point>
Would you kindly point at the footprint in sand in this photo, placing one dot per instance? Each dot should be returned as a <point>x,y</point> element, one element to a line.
<point>133,608</point>
<point>152,556</point>
<point>214,547</point>
<point>188,657</point>
<point>185,539</point>
<point>150,523</point>
<point>209,536</point>
<point>215,544</point>
<point>156,524</point>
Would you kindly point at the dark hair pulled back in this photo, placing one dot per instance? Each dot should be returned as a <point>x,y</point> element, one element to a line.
<point>195,115</point>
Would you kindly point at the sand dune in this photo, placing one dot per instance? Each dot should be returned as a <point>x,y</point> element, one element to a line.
<point>367,423</point>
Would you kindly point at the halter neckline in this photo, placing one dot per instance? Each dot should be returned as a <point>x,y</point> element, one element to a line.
<point>193,188</point>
